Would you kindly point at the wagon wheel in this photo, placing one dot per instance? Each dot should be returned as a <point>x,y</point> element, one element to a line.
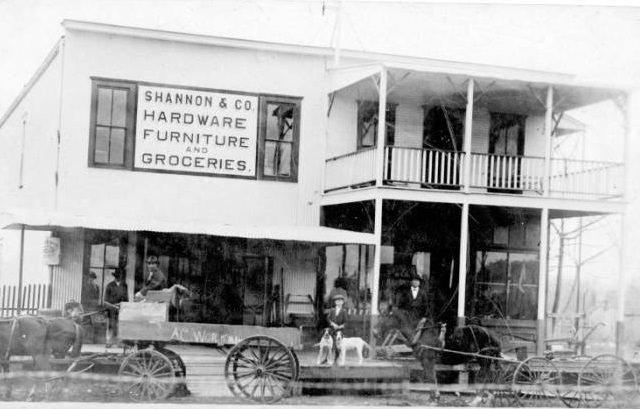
<point>261,368</point>
<point>569,394</point>
<point>150,374</point>
<point>536,380</point>
<point>496,378</point>
<point>607,380</point>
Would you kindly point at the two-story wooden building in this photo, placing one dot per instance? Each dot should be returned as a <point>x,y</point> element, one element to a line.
<point>259,173</point>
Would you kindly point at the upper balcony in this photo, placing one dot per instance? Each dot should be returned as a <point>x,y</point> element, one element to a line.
<point>450,132</point>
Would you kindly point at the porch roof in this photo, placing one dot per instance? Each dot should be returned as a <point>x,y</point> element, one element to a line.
<point>499,89</point>
<point>316,234</point>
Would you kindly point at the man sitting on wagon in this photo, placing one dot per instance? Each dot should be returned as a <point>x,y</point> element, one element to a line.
<point>156,280</point>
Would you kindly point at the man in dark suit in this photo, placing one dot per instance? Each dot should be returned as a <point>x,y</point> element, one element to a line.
<point>415,299</point>
<point>337,319</point>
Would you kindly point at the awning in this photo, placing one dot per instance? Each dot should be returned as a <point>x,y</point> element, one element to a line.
<point>316,234</point>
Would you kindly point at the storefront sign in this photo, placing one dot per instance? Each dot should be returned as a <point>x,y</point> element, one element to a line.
<point>184,130</point>
<point>51,251</point>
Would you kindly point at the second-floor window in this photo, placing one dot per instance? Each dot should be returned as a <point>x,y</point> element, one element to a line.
<point>279,139</point>
<point>368,123</point>
<point>507,134</point>
<point>112,124</point>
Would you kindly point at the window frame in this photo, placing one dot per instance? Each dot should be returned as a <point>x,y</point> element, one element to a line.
<point>264,101</point>
<point>130,121</point>
<point>390,113</point>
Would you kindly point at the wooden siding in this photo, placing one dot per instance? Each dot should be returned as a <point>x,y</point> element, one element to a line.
<point>67,276</point>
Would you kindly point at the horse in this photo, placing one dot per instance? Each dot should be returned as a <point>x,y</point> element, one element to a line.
<point>38,337</point>
<point>431,345</point>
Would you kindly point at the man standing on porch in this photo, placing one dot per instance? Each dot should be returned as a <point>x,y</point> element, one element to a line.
<point>414,300</point>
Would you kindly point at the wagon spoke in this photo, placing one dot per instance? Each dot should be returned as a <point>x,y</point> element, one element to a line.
<point>279,376</point>
<point>241,357</point>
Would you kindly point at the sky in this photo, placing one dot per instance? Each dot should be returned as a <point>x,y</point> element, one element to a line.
<point>591,42</point>
<point>594,43</point>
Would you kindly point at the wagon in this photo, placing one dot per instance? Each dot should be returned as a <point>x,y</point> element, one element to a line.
<point>576,381</point>
<point>261,363</point>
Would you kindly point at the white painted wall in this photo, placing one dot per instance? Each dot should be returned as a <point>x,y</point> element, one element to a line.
<point>85,190</point>
<point>32,128</point>
<point>342,126</point>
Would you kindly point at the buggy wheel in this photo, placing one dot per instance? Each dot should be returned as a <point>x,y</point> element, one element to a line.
<point>262,369</point>
<point>607,380</point>
<point>537,381</point>
<point>496,377</point>
<point>150,376</point>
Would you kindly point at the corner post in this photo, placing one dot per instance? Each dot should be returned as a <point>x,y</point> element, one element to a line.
<point>462,265</point>
<point>468,130</point>
<point>382,126</point>
<point>542,281</point>
<point>548,127</point>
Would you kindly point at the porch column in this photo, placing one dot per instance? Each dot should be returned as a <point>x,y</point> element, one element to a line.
<point>468,128</point>
<point>462,267</point>
<point>542,281</point>
<point>548,126</point>
<point>20,271</point>
<point>382,126</point>
<point>629,263</point>
<point>377,231</point>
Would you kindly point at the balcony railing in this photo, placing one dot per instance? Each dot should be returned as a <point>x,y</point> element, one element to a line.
<point>351,170</point>
<point>428,167</point>
<point>439,169</point>
<point>580,177</point>
<point>509,173</point>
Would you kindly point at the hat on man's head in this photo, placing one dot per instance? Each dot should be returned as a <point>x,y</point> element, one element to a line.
<point>416,276</point>
<point>337,296</point>
<point>118,272</point>
<point>152,260</point>
<point>92,275</point>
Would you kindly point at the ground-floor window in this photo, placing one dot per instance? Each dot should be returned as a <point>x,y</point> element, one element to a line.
<point>507,284</point>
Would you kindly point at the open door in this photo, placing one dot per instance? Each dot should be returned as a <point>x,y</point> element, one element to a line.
<point>506,148</point>
<point>257,284</point>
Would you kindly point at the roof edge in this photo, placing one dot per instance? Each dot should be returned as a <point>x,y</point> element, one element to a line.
<point>34,79</point>
<point>393,60</point>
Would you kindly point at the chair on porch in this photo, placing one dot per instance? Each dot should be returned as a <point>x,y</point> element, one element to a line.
<point>301,310</point>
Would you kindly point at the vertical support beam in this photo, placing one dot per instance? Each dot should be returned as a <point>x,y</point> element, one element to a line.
<point>468,130</point>
<point>462,265</point>
<point>548,127</point>
<point>382,126</point>
<point>377,231</point>
<point>375,284</point>
<point>542,280</point>
<point>20,270</point>
<point>629,262</point>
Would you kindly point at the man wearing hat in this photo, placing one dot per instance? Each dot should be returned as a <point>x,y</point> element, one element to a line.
<point>156,280</point>
<point>115,293</point>
<point>415,300</point>
<point>337,318</point>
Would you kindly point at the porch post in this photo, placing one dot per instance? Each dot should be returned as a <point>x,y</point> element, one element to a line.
<point>20,270</point>
<point>542,281</point>
<point>468,128</point>
<point>375,285</point>
<point>377,231</point>
<point>382,126</point>
<point>629,265</point>
<point>548,126</point>
<point>462,265</point>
